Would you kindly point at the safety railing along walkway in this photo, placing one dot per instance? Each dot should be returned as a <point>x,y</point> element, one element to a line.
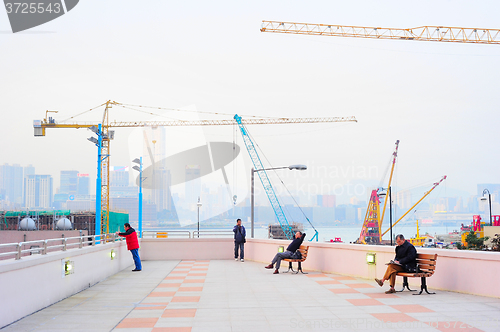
<point>187,234</point>
<point>21,249</point>
<point>18,250</point>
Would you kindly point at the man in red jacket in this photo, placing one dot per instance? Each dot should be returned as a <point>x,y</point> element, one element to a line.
<point>132,245</point>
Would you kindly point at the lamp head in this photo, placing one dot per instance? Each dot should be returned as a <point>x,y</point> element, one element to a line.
<point>298,167</point>
<point>136,168</point>
<point>93,140</point>
<point>94,129</point>
<point>137,161</point>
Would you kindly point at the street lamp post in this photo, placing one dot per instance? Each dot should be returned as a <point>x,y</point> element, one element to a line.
<point>252,193</point>
<point>199,205</point>
<point>489,200</point>
<point>139,168</point>
<point>390,209</point>
<point>98,198</point>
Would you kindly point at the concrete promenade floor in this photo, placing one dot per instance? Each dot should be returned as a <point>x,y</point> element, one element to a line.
<point>225,295</point>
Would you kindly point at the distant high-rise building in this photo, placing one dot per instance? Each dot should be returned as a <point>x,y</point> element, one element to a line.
<point>119,176</point>
<point>29,170</point>
<point>38,191</point>
<point>193,185</point>
<point>83,187</point>
<point>403,199</point>
<point>11,184</point>
<point>69,183</point>
<point>326,201</point>
<point>472,204</point>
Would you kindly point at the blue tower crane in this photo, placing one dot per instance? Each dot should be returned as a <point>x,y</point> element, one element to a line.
<point>266,183</point>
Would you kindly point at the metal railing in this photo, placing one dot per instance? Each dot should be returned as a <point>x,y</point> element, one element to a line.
<point>198,234</point>
<point>43,246</point>
<point>18,250</point>
<point>166,234</point>
<point>186,234</point>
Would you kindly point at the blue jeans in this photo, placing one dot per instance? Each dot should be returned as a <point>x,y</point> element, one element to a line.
<point>241,246</point>
<point>137,259</point>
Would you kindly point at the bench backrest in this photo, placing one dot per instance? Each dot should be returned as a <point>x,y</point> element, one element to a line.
<point>303,251</point>
<point>427,263</point>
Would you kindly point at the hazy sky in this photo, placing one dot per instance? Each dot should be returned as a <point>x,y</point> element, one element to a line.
<point>440,99</point>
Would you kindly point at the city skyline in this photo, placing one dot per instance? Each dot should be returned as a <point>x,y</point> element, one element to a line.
<point>73,183</point>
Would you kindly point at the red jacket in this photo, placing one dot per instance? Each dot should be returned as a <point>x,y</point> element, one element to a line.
<point>131,238</point>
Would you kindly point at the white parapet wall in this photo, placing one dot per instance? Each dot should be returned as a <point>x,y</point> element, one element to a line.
<point>37,281</point>
<point>465,271</point>
<point>202,248</point>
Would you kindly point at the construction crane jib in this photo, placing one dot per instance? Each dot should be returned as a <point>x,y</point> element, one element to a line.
<point>425,195</point>
<point>423,33</point>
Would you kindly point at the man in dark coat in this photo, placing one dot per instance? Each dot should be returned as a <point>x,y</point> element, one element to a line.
<point>291,252</point>
<point>405,260</point>
<point>132,245</point>
<point>239,240</point>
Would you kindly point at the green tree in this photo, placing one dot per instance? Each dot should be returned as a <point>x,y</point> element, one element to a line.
<point>474,242</point>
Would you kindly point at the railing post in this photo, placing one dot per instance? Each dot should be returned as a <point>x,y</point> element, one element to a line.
<point>64,244</point>
<point>44,252</point>
<point>93,240</point>
<point>81,242</point>
<point>113,237</point>
<point>19,246</point>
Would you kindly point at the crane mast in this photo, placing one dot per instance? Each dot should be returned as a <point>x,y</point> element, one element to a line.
<point>266,183</point>
<point>395,154</point>
<point>423,33</point>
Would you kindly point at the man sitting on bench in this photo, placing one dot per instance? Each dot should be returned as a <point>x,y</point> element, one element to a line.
<point>405,260</point>
<point>291,252</point>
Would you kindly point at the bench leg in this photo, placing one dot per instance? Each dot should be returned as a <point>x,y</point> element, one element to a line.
<point>290,268</point>
<point>300,269</point>
<point>423,287</point>
<point>405,284</point>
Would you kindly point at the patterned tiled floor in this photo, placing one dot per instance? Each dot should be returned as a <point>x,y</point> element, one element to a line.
<point>225,295</point>
<point>332,302</point>
<point>172,305</point>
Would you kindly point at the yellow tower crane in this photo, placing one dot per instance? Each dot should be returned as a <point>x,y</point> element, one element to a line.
<point>107,135</point>
<point>424,33</point>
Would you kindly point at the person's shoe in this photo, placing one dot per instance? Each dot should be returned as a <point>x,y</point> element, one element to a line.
<point>236,259</point>
<point>270,266</point>
<point>379,282</point>
<point>242,260</point>
<point>390,291</point>
<point>135,270</point>
<point>276,271</point>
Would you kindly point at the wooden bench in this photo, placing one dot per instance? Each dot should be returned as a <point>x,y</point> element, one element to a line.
<point>426,265</point>
<point>303,251</point>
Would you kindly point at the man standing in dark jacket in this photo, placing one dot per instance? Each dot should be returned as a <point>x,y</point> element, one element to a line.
<point>239,240</point>
<point>405,260</point>
<point>289,253</point>
<point>132,245</point>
